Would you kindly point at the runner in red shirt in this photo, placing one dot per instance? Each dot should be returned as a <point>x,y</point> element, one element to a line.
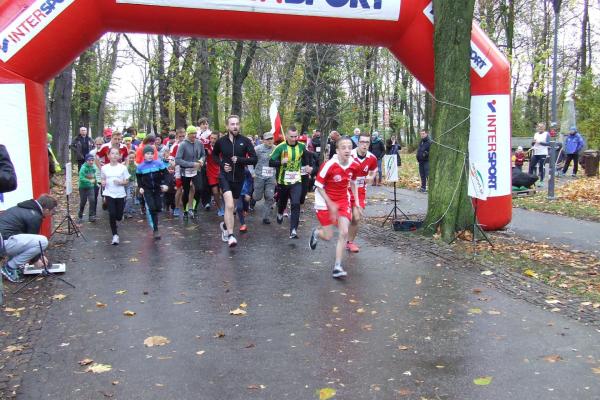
<point>212,172</point>
<point>367,170</point>
<point>115,141</point>
<point>332,200</point>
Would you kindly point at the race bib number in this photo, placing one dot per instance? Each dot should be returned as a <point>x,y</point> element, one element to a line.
<point>303,171</point>
<point>190,172</point>
<point>361,181</point>
<point>291,177</point>
<point>268,172</point>
<point>318,149</point>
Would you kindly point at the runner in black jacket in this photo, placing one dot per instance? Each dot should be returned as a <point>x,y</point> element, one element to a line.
<point>233,152</point>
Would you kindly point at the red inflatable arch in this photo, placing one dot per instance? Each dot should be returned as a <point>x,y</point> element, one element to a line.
<point>40,37</point>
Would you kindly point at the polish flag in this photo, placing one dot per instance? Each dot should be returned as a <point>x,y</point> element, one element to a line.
<point>276,129</point>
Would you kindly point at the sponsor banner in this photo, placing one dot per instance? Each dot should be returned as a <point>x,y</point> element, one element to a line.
<point>479,62</point>
<point>489,142</point>
<point>390,168</point>
<point>388,10</point>
<point>15,136</point>
<point>28,24</point>
<point>477,185</point>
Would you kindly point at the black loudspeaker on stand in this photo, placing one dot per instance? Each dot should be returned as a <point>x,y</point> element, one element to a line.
<point>72,228</point>
<point>44,274</point>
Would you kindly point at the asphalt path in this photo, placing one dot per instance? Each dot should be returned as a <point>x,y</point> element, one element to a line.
<point>397,327</point>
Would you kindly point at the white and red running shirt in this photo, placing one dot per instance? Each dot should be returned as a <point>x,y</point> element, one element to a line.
<point>335,179</point>
<point>102,154</point>
<point>367,165</point>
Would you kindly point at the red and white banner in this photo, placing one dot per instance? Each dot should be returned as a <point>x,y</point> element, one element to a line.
<point>276,128</point>
<point>387,10</point>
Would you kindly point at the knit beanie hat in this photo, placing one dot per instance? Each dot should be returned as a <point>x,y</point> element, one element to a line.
<point>191,129</point>
<point>148,149</point>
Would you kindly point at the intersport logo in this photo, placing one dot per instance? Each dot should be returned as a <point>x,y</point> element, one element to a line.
<point>28,25</point>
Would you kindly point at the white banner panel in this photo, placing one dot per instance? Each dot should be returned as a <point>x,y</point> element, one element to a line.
<point>28,24</point>
<point>489,142</point>
<point>15,136</point>
<point>390,168</point>
<point>477,185</point>
<point>388,10</point>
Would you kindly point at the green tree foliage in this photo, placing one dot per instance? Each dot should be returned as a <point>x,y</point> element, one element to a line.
<point>588,109</point>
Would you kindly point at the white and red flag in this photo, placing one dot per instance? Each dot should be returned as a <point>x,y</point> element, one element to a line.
<point>276,129</point>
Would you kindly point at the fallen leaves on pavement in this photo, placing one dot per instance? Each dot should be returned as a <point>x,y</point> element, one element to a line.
<point>98,368</point>
<point>156,341</point>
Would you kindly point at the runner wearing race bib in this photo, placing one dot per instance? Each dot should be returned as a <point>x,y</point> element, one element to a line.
<point>289,157</point>
<point>367,169</point>
<point>264,179</point>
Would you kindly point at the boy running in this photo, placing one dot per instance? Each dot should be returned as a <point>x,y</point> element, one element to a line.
<point>367,169</point>
<point>151,176</point>
<point>332,200</point>
<point>114,178</point>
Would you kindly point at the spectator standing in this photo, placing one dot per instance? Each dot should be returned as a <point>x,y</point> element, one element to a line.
<point>82,145</point>
<point>540,143</point>
<point>423,159</point>
<point>573,145</point>
<point>377,147</point>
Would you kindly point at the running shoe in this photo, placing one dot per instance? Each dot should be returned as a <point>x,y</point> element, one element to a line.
<point>232,241</point>
<point>351,247</point>
<point>314,239</point>
<point>185,215</point>
<point>115,240</point>
<point>79,221</point>
<point>11,274</point>
<point>243,228</point>
<point>293,234</point>
<point>156,235</point>
<point>224,234</point>
<point>338,272</point>
<point>207,207</point>
<point>266,221</point>
<point>176,212</point>
<point>280,219</point>
<point>191,214</point>
<point>286,214</point>
<point>220,212</point>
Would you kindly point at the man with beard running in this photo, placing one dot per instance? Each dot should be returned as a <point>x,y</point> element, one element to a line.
<point>290,156</point>
<point>233,152</point>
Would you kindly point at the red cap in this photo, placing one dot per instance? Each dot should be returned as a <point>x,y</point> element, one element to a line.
<point>108,132</point>
<point>302,138</point>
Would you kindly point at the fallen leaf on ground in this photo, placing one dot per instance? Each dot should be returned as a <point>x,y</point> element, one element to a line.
<point>415,301</point>
<point>487,273</point>
<point>326,393</point>
<point>13,348</point>
<point>59,296</point>
<point>243,305</point>
<point>98,368</point>
<point>474,310</point>
<point>177,303</point>
<point>402,347</point>
<point>483,380</point>
<point>129,313</point>
<point>418,281</point>
<point>238,311</point>
<point>596,370</point>
<point>133,259</point>
<point>156,341</point>
<point>121,292</point>
<point>360,311</point>
<point>254,387</point>
<point>86,361</point>
<point>100,305</point>
<point>200,352</point>
<point>494,312</point>
<point>553,301</point>
<point>531,273</point>
<point>219,335</point>
<point>286,295</point>
<point>552,358</point>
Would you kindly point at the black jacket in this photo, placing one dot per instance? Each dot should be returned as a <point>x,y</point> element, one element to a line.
<point>377,148</point>
<point>8,178</point>
<point>25,217</point>
<point>242,148</point>
<point>423,150</point>
<point>77,145</point>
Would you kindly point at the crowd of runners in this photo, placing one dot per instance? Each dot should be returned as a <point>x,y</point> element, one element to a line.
<point>193,169</point>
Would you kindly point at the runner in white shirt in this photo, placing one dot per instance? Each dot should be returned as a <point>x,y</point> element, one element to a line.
<point>114,178</point>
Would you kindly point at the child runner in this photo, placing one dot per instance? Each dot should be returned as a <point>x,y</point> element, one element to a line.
<point>169,195</point>
<point>151,179</point>
<point>332,200</point>
<point>367,169</point>
<point>87,188</point>
<point>114,178</point>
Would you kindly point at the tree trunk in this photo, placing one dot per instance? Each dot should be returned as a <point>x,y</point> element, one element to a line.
<point>164,95</point>
<point>583,49</point>
<point>204,78</point>
<point>60,113</point>
<point>288,74</point>
<point>105,77</point>
<point>449,207</point>
<point>83,85</point>
<point>240,72</point>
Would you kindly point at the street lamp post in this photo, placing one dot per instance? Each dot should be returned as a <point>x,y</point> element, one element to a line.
<point>554,124</point>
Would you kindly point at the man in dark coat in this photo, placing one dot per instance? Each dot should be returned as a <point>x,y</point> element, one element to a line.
<point>423,159</point>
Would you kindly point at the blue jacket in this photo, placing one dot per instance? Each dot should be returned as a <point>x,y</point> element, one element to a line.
<point>573,143</point>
